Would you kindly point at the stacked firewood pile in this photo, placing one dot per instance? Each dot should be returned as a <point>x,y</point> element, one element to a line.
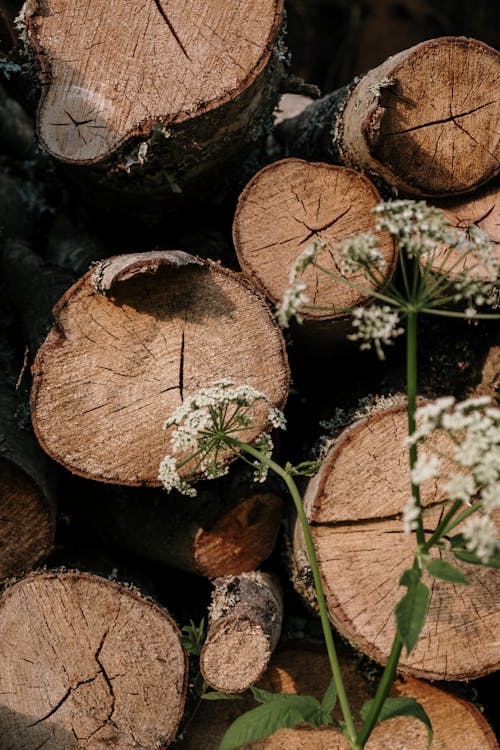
<point>158,128</point>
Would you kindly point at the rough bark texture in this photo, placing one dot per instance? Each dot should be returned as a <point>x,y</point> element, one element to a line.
<point>130,343</point>
<point>244,628</point>
<point>303,668</point>
<point>229,528</point>
<point>289,205</point>
<point>423,121</point>
<point>27,502</point>
<point>354,503</point>
<point>159,99</point>
<point>87,663</point>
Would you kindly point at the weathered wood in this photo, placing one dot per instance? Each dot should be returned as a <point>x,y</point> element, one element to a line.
<point>87,662</point>
<point>290,204</point>
<point>244,628</point>
<point>229,528</point>
<point>423,121</point>
<point>133,338</point>
<point>157,100</point>
<point>355,503</point>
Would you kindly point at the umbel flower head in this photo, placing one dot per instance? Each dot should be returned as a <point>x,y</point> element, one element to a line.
<point>209,423</point>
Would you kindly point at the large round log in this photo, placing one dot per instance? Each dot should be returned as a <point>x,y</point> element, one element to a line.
<point>423,121</point>
<point>133,338</point>
<point>289,205</point>
<point>354,504</point>
<point>88,663</point>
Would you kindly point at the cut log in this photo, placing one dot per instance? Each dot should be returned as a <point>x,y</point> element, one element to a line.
<point>244,628</point>
<point>287,206</point>
<point>303,668</point>
<point>132,339</point>
<point>423,121</point>
<point>27,497</point>
<point>229,528</point>
<point>354,504</point>
<point>161,98</point>
<point>87,663</point>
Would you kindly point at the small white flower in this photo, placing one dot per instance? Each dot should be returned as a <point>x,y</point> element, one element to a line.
<point>358,252</point>
<point>460,487</point>
<point>411,514</point>
<point>277,418</point>
<point>294,298</point>
<point>169,477</point>
<point>491,497</point>
<point>375,326</point>
<point>425,468</point>
<point>418,228</point>
<point>481,536</point>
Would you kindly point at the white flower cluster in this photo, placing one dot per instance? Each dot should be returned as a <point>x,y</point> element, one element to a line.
<point>411,514</point>
<point>294,296</point>
<point>359,252</point>
<point>474,428</point>
<point>375,325</point>
<point>417,227</point>
<point>203,425</point>
<point>479,278</point>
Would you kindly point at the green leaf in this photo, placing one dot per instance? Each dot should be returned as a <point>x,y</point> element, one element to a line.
<point>393,707</point>
<point>264,696</point>
<point>446,572</point>
<point>218,695</point>
<point>410,614</point>
<point>281,712</point>
<point>330,697</point>
<point>473,559</point>
<point>409,577</point>
<point>192,637</point>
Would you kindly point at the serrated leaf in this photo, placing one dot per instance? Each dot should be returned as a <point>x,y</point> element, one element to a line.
<point>218,695</point>
<point>330,697</point>
<point>473,559</point>
<point>393,707</point>
<point>411,611</point>
<point>446,572</point>
<point>282,712</point>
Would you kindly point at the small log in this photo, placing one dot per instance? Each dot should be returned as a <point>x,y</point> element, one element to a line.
<point>423,121</point>
<point>27,497</point>
<point>130,343</point>
<point>354,504</point>
<point>194,89</point>
<point>303,668</point>
<point>86,662</point>
<point>287,206</point>
<point>244,628</point>
<point>227,529</point>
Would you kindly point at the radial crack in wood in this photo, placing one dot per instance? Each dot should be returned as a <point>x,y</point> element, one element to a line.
<point>109,372</point>
<point>87,663</point>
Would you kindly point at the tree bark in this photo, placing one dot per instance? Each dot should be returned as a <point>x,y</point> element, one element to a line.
<point>289,205</point>
<point>422,122</point>
<point>194,89</point>
<point>354,504</point>
<point>130,343</point>
<point>229,528</point>
<point>244,628</point>
<point>87,662</point>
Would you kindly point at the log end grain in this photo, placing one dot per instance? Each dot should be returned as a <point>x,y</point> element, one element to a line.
<point>87,663</point>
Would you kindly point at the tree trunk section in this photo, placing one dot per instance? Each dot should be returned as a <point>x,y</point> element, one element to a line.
<point>244,628</point>
<point>228,529</point>
<point>87,663</point>
<point>303,668</point>
<point>423,122</point>
<point>130,344</point>
<point>158,100</point>
<point>354,504</point>
<point>289,205</point>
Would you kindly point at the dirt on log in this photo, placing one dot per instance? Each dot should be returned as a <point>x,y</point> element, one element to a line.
<point>133,338</point>
<point>86,662</point>
<point>246,614</point>
<point>289,205</point>
<point>423,122</point>
<point>164,101</point>
<point>354,504</point>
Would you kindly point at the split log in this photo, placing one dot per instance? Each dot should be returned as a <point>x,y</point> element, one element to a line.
<point>302,667</point>
<point>130,343</point>
<point>194,89</point>
<point>287,206</point>
<point>423,121</point>
<point>244,628</point>
<point>87,662</point>
<point>27,497</point>
<point>228,529</point>
<point>354,504</point>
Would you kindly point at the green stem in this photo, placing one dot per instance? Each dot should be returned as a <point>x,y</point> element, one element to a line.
<point>411,390</point>
<point>323,611</point>
<point>458,520</point>
<point>450,314</point>
<point>441,528</point>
